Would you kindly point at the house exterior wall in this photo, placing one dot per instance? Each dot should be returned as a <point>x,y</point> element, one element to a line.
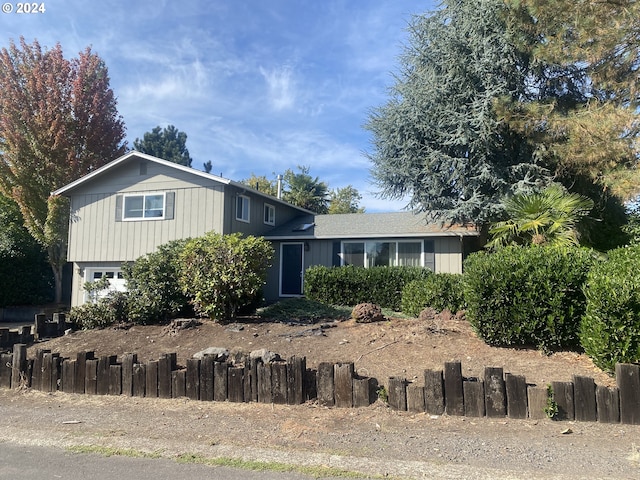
<point>99,237</point>
<point>448,258</point>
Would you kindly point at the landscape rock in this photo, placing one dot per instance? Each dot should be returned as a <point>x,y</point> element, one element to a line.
<point>220,354</point>
<point>265,355</point>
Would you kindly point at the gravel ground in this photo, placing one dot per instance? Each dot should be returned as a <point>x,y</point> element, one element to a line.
<point>374,440</point>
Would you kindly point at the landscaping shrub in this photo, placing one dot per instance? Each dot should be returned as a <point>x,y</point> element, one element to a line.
<point>351,285</point>
<point>104,312</point>
<point>610,328</point>
<point>153,287</point>
<point>528,296</point>
<point>440,291</point>
<point>222,273</point>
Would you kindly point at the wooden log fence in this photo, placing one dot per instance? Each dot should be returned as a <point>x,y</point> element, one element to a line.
<point>500,394</point>
<point>496,394</point>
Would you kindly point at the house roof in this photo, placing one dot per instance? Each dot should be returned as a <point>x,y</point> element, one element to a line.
<point>96,174</point>
<point>366,225</point>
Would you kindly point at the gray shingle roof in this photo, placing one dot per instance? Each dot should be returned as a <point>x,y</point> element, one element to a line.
<point>366,225</point>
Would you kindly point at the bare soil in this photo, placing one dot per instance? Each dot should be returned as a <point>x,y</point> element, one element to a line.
<point>375,440</point>
<point>393,348</point>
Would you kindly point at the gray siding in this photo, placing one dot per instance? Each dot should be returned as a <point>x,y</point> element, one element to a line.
<point>448,259</point>
<point>95,235</point>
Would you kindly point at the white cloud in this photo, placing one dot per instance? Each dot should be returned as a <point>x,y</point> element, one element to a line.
<point>281,87</point>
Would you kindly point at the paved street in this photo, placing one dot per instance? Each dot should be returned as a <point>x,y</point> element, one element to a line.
<point>19,462</point>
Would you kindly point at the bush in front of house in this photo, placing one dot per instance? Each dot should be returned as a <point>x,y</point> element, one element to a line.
<point>153,289</point>
<point>439,291</point>
<point>223,273</point>
<point>101,313</point>
<point>528,296</point>
<point>610,328</point>
<point>351,285</point>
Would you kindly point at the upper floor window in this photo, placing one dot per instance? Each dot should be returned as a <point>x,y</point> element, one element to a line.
<point>242,208</point>
<point>269,214</point>
<point>146,206</point>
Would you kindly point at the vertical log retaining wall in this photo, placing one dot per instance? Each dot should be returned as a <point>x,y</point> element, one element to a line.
<point>496,394</point>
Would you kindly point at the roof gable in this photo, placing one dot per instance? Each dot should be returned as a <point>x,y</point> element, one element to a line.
<point>129,157</point>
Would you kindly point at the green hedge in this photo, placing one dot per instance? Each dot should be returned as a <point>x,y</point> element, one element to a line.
<point>528,296</point>
<point>351,285</point>
<point>440,291</point>
<point>610,328</point>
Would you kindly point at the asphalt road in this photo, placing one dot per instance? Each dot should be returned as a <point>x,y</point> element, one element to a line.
<point>19,462</point>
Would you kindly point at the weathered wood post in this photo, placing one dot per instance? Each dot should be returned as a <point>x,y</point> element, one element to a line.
<point>206,378</point>
<point>128,360</point>
<point>235,384</point>
<point>279,383</point>
<point>415,398</point>
<point>434,392</point>
<point>192,388</point>
<point>584,391</point>
<point>494,392</point>
<point>296,368</point>
<point>397,393</point>
<point>325,385</point>
<point>516,387</point>
<point>563,396</point>
<point>608,404</point>
<point>264,382</point>
<point>473,391</point>
<point>343,374</point>
<point>151,379</point>
<point>537,402</point>
<point>6,362</point>
<point>628,380</point>
<point>453,389</point>
<point>19,365</point>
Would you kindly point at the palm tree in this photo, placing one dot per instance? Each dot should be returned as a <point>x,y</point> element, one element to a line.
<point>548,217</point>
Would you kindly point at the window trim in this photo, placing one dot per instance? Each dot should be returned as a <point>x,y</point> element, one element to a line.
<point>271,218</point>
<point>396,241</point>
<point>239,215</point>
<point>144,197</point>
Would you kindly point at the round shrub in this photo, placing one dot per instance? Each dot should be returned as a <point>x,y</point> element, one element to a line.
<point>610,328</point>
<point>440,291</point>
<point>102,313</point>
<point>528,296</point>
<point>223,273</point>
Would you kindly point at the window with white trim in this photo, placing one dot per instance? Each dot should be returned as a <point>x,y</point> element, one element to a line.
<point>382,253</point>
<point>269,214</point>
<point>147,206</point>
<point>242,208</point>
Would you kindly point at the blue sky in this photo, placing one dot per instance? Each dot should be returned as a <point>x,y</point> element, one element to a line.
<point>259,86</point>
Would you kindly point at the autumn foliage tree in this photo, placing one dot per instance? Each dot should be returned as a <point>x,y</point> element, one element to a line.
<point>58,121</point>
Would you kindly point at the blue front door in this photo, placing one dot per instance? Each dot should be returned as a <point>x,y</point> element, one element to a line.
<point>291,271</point>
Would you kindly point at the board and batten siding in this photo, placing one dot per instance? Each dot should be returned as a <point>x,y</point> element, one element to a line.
<point>97,236</point>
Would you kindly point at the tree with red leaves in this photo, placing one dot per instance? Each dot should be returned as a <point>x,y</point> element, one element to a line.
<point>58,122</point>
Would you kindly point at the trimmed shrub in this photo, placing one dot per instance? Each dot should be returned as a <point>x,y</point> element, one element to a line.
<point>222,273</point>
<point>528,296</point>
<point>153,287</point>
<point>440,291</point>
<point>351,285</point>
<point>610,328</point>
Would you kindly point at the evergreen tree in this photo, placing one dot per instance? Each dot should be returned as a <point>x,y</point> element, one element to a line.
<point>438,141</point>
<point>168,144</point>
<point>584,122</point>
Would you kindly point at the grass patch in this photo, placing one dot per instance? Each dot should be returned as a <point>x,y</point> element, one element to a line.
<point>110,451</point>
<point>302,309</point>
<point>256,466</point>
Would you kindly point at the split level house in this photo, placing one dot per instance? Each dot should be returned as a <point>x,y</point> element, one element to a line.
<point>130,206</point>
